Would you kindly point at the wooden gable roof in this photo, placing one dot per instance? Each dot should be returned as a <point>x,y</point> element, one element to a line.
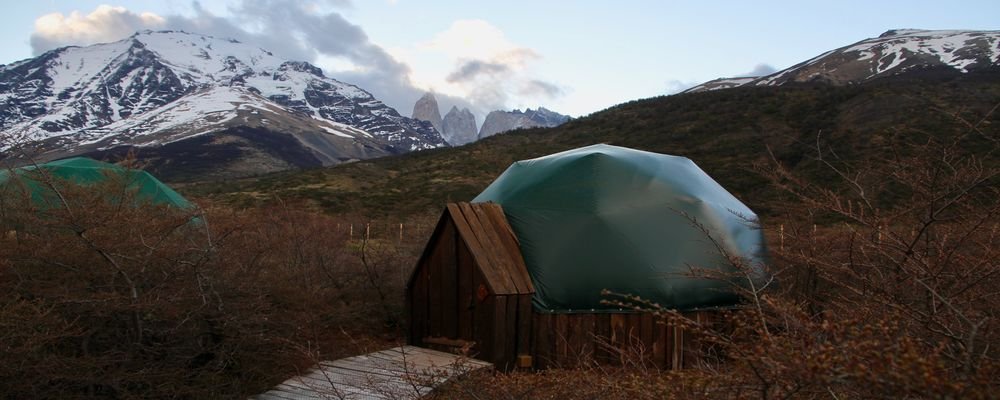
<point>483,228</point>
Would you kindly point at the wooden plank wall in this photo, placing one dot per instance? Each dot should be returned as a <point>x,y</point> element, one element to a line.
<point>447,309</point>
<point>566,340</point>
<point>471,286</point>
<point>442,297</point>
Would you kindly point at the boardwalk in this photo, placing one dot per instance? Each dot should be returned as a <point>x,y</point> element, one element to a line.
<point>400,373</point>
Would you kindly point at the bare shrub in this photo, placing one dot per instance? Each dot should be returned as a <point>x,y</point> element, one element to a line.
<point>137,306</point>
<point>896,291</point>
<point>890,284</point>
<point>105,297</point>
<point>888,287</point>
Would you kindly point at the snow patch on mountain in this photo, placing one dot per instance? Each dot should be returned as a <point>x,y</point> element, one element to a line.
<point>894,52</point>
<point>721,83</point>
<point>179,84</point>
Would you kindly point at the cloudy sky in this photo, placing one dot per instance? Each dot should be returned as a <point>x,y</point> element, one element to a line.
<point>574,57</point>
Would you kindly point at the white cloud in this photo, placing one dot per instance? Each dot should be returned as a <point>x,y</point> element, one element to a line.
<point>336,63</point>
<point>486,67</point>
<point>760,70</point>
<point>470,39</point>
<point>104,24</point>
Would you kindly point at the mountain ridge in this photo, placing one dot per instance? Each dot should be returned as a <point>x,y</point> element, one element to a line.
<point>894,52</point>
<point>459,126</point>
<point>158,87</point>
<point>500,121</point>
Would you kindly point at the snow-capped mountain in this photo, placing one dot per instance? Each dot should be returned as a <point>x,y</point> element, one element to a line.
<point>157,88</point>
<point>893,53</point>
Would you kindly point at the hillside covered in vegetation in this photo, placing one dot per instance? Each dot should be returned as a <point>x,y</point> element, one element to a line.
<point>726,132</point>
<point>879,201</point>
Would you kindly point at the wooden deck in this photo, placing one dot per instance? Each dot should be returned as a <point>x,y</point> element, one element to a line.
<point>399,373</point>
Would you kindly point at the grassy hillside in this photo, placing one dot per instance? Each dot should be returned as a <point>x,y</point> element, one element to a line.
<point>725,132</point>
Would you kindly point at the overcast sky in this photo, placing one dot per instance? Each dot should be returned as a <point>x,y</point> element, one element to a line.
<point>574,57</point>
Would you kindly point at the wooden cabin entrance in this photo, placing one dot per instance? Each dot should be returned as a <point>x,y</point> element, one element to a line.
<point>471,291</point>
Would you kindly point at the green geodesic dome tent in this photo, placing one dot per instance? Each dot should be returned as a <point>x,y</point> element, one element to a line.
<point>85,171</point>
<point>606,217</point>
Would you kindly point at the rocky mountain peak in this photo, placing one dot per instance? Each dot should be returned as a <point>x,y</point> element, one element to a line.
<point>502,121</point>
<point>301,66</point>
<point>426,109</point>
<point>459,126</point>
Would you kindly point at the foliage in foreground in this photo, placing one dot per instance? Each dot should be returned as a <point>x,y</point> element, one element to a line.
<point>102,299</point>
<point>887,286</point>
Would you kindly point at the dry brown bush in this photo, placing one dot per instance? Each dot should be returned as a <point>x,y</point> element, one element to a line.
<point>888,287</point>
<point>891,277</point>
<point>103,299</point>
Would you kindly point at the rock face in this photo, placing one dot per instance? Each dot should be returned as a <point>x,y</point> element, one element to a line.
<point>459,127</point>
<point>894,52</point>
<point>198,95</point>
<point>426,109</point>
<point>502,121</point>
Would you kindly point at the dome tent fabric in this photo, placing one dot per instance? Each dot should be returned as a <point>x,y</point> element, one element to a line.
<point>85,171</point>
<point>606,217</point>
